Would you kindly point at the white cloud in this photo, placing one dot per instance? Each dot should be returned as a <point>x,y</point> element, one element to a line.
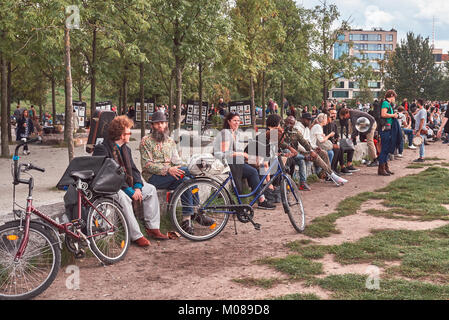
<point>375,17</point>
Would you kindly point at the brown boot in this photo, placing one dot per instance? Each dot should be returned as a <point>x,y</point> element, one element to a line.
<point>387,169</point>
<point>381,171</point>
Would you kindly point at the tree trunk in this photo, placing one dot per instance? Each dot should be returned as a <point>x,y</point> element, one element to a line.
<point>8,108</point>
<point>93,73</point>
<point>264,118</point>
<point>253,118</point>
<point>125,91</point>
<point>178,95</point>
<point>170,104</point>
<point>282,97</point>
<point>200,91</point>
<point>142,100</point>
<point>53,99</point>
<point>4,102</point>
<point>69,106</point>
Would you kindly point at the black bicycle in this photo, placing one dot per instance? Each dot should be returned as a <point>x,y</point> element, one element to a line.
<point>212,198</point>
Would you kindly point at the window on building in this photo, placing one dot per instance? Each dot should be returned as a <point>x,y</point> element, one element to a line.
<point>341,85</point>
<point>340,94</point>
<point>389,38</point>
<point>374,84</point>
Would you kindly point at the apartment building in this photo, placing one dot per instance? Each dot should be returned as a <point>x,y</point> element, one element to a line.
<point>373,46</point>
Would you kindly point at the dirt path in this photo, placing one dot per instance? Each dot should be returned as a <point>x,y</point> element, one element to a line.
<point>182,269</point>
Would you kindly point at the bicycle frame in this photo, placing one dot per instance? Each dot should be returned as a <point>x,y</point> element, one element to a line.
<point>30,209</point>
<point>258,192</point>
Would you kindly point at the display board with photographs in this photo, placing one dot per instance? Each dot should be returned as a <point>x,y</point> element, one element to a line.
<point>148,106</point>
<point>80,109</point>
<point>243,108</point>
<point>193,113</point>
<point>104,105</point>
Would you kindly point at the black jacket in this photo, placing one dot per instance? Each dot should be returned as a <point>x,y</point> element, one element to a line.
<point>21,129</point>
<point>105,149</point>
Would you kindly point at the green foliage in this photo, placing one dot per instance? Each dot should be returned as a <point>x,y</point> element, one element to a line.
<point>412,68</point>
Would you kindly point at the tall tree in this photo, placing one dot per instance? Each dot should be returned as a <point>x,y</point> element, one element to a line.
<point>326,37</point>
<point>412,70</point>
<point>254,27</point>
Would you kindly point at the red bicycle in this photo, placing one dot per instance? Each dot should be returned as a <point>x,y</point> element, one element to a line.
<point>30,250</point>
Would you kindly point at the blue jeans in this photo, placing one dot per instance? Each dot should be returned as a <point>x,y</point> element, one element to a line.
<point>409,134</point>
<point>422,148</point>
<point>330,154</point>
<point>169,182</point>
<point>300,161</point>
<point>385,137</point>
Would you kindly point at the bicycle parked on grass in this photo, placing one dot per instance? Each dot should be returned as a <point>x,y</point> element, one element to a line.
<point>212,198</point>
<point>30,250</point>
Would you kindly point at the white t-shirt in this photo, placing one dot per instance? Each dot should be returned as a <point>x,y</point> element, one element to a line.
<point>303,130</point>
<point>316,134</point>
<point>402,120</point>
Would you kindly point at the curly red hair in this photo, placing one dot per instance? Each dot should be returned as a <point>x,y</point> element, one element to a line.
<point>118,126</point>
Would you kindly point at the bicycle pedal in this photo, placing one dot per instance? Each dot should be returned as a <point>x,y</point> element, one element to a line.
<point>80,254</point>
<point>257,226</point>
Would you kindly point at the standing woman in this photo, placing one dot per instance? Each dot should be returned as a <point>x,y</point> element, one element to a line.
<point>387,117</point>
<point>25,128</point>
<point>230,146</point>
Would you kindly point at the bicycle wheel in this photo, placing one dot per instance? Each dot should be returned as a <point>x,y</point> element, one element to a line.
<point>108,230</point>
<point>291,200</point>
<point>199,197</point>
<point>38,267</point>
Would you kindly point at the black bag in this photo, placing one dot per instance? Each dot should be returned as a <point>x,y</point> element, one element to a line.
<point>347,145</point>
<point>99,128</point>
<point>80,164</point>
<point>109,179</point>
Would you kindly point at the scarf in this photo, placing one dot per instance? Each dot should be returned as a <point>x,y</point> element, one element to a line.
<point>122,158</point>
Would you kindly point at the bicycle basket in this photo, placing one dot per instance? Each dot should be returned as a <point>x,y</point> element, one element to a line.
<point>206,164</point>
<point>109,179</point>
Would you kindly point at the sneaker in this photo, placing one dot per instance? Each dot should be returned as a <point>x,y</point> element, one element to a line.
<point>304,187</point>
<point>373,164</point>
<point>269,195</point>
<point>203,220</point>
<point>266,205</point>
<point>412,147</point>
<point>399,155</point>
<point>419,160</point>
<point>186,225</point>
<point>346,172</point>
<point>351,168</point>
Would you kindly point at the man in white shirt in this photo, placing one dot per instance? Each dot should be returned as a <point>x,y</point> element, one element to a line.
<point>303,125</point>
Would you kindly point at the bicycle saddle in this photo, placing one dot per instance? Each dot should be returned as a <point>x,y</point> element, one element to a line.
<point>83,175</point>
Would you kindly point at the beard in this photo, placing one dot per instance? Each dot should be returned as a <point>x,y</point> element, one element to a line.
<point>160,136</point>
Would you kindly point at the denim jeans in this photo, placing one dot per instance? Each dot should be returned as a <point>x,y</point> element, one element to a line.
<point>169,182</point>
<point>422,148</point>
<point>300,161</point>
<point>330,154</point>
<point>409,134</point>
<point>385,137</point>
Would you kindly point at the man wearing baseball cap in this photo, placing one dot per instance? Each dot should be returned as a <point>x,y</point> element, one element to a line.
<point>161,168</point>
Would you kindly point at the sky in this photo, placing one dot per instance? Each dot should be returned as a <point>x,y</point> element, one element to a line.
<point>416,16</point>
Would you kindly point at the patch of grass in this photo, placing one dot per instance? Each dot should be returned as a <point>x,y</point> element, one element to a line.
<point>299,268</point>
<point>433,159</point>
<point>354,287</point>
<point>261,283</point>
<point>298,297</point>
<point>309,252</point>
<point>322,227</point>
<point>313,178</point>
